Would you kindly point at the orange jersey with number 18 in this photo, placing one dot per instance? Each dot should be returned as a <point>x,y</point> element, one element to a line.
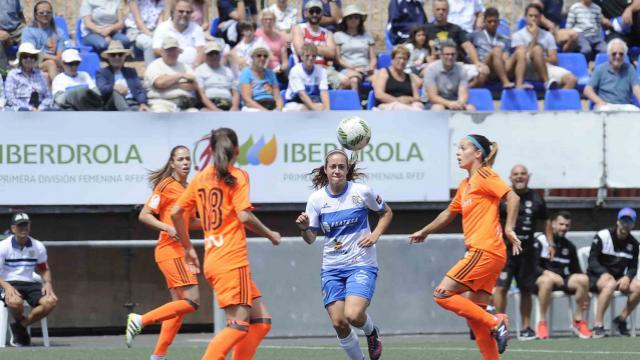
<point>478,200</point>
<point>218,205</point>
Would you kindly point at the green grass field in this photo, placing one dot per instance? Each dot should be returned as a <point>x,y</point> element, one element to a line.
<point>396,348</point>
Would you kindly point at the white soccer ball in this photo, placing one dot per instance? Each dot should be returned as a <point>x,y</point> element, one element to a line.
<point>353,133</point>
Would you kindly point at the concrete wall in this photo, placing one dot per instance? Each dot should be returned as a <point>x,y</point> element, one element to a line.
<point>95,283</point>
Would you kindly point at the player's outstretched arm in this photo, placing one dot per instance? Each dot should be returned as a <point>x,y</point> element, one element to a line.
<point>302,222</point>
<point>513,204</point>
<point>443,219</point>
<point>251,221</point>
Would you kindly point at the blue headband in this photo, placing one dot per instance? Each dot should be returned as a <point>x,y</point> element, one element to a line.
<point>475,143</point>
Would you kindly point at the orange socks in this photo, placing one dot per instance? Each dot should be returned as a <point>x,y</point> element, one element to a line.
<point>222,344</point>
<point>167,333</point>
<point>465,308</point>
<point>169,311</point>
<point>486,342</point>
<point>246,349</point>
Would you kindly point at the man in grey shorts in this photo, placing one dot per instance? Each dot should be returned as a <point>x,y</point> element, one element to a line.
<point>20,257</point>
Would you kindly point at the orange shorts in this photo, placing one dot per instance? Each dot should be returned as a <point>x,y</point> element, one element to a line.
<point>478,270</point>
<point>176,273</point>
<point>234,287</point>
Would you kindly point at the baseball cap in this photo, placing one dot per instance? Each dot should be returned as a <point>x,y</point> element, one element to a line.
<point>71,55</point>
<point>313,3</point>
<point>212,46</point>
<point>627,212</point>
<point>170,42</point>
<point>20,218</point>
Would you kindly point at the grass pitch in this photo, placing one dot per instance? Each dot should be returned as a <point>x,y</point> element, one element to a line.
<point>395,348</point>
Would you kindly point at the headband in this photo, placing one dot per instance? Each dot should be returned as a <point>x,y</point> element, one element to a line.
<point>476,143</point>
<point>336,151</point>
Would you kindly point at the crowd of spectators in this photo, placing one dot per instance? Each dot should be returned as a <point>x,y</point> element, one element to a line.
<point>433,64</point>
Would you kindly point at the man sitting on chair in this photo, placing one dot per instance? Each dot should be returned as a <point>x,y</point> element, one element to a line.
<point>562,272</point>
<point>613,265</point>
<point>21,256</point>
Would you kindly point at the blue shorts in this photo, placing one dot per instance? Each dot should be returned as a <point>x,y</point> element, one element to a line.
<point>337,284</point>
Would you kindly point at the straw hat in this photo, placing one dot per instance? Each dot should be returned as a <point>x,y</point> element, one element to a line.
<point>353,10</point>
<point>27,48</point>
<point>115,47</point>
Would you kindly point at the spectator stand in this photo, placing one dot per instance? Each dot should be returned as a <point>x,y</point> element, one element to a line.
<point>82,48</point>
<point>90,63</point>
<point>213,29</point>
<point>482,99</point>
<point>518,100</point>
<point>562,99</point>
<point>344,100</point>
<point>577,64</point>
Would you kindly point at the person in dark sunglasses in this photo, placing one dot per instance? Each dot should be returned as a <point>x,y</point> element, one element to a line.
<point>614,85</point>
<point>188,33</point>
<point>330,13</point>
<point>26,87</point>
<point>46,37</point>
<point>312,32</point>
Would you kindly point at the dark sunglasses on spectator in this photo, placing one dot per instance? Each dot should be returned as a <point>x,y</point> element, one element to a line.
<point>261,56</point>
<point>614,54</point>
<point>73,63</point>
<point>184,12</point>
<point>29,56</point>
<point>315,11</point>
<point>117,54</point>
<point>44,13</point>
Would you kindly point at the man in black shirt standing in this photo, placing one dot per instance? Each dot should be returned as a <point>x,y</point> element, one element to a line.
<point>523,266</point>
<point>613,265</point>
<point>561,272</point>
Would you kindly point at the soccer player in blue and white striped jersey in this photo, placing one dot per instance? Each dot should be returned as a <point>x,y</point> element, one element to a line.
<point>339,207</point>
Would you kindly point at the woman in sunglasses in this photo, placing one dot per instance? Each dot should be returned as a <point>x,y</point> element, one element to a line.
<point>259,87</point>
<point>26,87</point>
<point>46,37</point>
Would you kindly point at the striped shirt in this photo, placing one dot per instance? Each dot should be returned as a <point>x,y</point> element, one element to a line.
<point>19,264</point>
<point>585,19</point>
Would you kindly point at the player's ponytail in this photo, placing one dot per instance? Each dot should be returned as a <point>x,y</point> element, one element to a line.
<point>319,177</point>
<point>164,172</point>
<point>224,143</point>
<point>488,148</point>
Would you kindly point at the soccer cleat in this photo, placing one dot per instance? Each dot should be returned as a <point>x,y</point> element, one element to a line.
<point>501,332</point>
<point>374,344</point>
<point>157,357</point>
<point>528,334</point>
<point>581,329</point>
<point>543,330</point>
<point>134,327</point>
<point>598,332</point>
<point>621,326</point>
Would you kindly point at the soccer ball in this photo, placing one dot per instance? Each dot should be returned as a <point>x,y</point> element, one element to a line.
<point>353,133</point>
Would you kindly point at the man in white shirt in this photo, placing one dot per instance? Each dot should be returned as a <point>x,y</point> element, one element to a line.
<point>73,89</point>
<point>189,34</point>
<point>21,256</point>
<point>536,55</point>
<point>172,84</point>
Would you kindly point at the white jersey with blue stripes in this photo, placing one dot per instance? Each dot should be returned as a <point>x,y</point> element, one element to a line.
<point>343,218</point>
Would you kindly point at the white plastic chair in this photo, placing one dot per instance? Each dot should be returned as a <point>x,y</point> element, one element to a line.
<point>5,319</point>
<point>583,257</point>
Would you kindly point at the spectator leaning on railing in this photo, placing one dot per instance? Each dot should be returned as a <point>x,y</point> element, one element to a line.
<point>26,87</point>
<point>614,84</point>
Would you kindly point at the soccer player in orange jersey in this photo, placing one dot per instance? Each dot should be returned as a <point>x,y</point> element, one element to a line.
<point>221,194</point>
<point>169,182</point>
<point>478,200</point>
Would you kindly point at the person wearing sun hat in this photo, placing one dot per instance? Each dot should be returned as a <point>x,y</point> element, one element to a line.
<point>613,265</point>
<point>73,89</point>
<point>355,50</point>
<point>26,88</point>
<point>119,85</point>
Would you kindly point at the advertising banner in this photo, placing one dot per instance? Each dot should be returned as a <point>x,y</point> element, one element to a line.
<point>73,158</point>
